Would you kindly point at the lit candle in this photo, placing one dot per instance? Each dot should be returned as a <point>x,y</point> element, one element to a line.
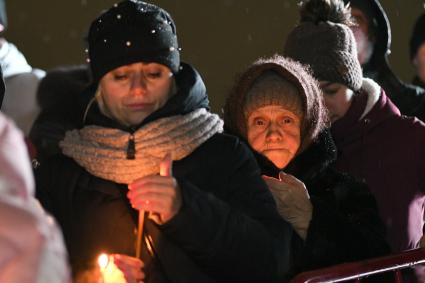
<point>109,272</point>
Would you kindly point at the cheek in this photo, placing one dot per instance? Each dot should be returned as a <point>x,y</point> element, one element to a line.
<point>360,37</point>
<point>256,139</point>
<point>329,103</point>
<point>162,92</point>
<point>421,61</point>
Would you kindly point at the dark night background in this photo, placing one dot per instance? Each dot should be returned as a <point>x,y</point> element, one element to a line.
<point>218,37</point>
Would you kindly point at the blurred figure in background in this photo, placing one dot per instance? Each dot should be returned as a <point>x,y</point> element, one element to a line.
<point>31,244</point>
<point>58,96</point>
<point>417,51</point>
<point>373,37</point>
<point>21,80</point>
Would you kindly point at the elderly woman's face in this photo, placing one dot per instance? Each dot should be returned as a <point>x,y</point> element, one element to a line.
<point>275,132</point>
<point>132,92</point>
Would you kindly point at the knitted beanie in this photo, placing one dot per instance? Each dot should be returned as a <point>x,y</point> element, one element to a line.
<point>272,89</point>
<point>323,40</point>
<point>129,32</point>
<point>418,36</point>
<point>300,92</point>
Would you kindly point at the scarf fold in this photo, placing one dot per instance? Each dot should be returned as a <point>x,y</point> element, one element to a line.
<point>103,151</point>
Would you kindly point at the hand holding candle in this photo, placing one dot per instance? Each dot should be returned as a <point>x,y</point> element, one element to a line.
<point>131,268</point>
<point>158,194</point>
<point>109,272</point>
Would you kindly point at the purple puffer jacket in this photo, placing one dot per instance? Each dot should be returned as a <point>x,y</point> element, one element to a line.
<point>387,150</point>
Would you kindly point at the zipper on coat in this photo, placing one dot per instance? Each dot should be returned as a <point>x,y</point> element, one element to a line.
<point>131,148</point>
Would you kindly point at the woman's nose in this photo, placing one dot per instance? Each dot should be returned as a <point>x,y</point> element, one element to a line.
<point>138,85</point>
<point>273,133</point>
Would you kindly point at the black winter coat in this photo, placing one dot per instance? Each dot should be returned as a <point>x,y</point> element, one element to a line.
<point>228,229</point>
<point>345,224</point>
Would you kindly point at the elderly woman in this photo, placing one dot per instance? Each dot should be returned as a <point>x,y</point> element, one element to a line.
<point>211,217</point>
<point>283,118</point>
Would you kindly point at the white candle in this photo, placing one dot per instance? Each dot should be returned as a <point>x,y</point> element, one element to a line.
<point>110,273</point>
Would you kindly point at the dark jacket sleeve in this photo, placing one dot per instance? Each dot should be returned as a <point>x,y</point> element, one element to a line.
<point>345,226</point>
<point>236,238</point>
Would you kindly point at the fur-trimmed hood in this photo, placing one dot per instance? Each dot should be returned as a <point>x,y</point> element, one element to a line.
<point>315,117</point>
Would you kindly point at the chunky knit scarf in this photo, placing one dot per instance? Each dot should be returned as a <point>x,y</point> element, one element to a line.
<point>104,152</point>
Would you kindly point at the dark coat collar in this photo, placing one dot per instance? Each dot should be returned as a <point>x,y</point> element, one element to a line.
<point>348,129</point>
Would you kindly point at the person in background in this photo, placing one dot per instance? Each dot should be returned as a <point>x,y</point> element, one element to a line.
<point>417,51</point>
<point>375,142</point>
<point>277,107</point>
<point>58,95</point>
<point>147,143</point>
<point>31,244</point>
<point>20,101</point>
<point>372,32</point>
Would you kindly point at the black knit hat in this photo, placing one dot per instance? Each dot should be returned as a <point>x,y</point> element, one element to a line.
<point>324,41</point>
<point>129,32</point>
<point>418,36</point>
<point>3,15</point>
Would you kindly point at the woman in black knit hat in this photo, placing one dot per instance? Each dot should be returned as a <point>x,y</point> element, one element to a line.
<point>277,107</point>
<point>211,217</point>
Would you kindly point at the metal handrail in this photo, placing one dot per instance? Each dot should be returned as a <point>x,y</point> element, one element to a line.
<point>365,268</point>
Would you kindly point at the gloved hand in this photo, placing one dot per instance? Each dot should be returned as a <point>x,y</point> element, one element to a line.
<point>292,200</point>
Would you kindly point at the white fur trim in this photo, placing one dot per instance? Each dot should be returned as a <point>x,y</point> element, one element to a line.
<point>373,91</point>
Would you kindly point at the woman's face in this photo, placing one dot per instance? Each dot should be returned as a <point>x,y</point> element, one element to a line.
<point>132,92</point>
<point>337,99</point>
<point>364,40</point>
<point>275,132</point>
<point>419,62</point>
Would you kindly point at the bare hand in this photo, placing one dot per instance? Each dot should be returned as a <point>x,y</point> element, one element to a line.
<point>131,267</point>
<point>158,194</point>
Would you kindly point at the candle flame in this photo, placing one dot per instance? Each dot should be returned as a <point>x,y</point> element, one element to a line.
<point>103,260</point>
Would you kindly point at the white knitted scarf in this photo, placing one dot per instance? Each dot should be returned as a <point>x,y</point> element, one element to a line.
<point>103,151</point>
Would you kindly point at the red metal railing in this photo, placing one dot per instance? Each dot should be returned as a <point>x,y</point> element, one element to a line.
<point>361,269</point>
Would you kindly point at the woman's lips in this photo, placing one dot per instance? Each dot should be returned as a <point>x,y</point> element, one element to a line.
<point>139,106</point>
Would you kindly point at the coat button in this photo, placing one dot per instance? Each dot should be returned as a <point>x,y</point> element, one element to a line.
<point>366,121</point>
<point>35,163</point>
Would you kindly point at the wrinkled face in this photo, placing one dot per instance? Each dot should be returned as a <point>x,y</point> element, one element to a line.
<point>275,132</point>
<point>337,99</point>
<point>132,92</point>
<point>419,62</point>
<point>362,35</point>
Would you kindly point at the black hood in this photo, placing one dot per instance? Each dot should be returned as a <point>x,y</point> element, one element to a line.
<point>191,95</point>
<point>382,31</point>
<point>307,165</point>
